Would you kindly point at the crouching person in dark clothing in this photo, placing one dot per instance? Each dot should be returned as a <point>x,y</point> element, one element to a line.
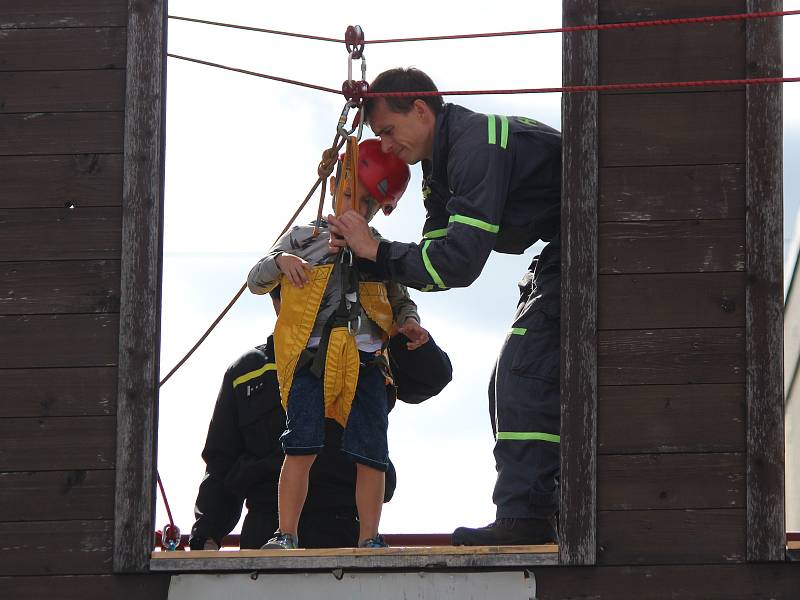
<point>243,452</point>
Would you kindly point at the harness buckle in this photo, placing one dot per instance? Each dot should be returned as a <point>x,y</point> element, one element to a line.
<point>350,329</point>
<point>346,257</point>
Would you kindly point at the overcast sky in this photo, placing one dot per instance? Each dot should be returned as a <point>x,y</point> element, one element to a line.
<point>242,153</point>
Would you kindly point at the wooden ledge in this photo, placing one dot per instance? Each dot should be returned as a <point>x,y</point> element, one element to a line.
<point>396,557</point>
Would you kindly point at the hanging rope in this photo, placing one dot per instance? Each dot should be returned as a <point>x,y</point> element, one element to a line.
<point>239,293</point>
<point>171,536</point>
<point>575,28</point>
<point>570,89</point>
<point>607,87</point>
<point>254,74</point>
<point>246,28</point>
<point>597,27</point>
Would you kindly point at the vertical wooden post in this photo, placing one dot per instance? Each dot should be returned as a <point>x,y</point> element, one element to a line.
<point>140,309</point>
<point>578,515</point>
<point>766,529</point>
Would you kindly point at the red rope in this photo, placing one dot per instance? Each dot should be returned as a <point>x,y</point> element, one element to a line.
<point>246,28</point>
<point>607,87</point>
<point>164,497</point>
<point>254,74</point>
<point>598,27</point>
<point>575,28</point>
<point>570,89</point>
<point>205,335</point>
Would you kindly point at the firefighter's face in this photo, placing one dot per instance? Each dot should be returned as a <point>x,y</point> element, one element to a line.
<point>408,135</point>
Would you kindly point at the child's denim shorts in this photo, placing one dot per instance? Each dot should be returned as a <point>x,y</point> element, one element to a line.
<point>365,436</point>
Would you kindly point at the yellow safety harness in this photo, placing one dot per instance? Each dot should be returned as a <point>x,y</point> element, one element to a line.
<point>336,358</point>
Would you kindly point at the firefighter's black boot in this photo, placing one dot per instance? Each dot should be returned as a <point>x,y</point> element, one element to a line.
<point>507,532</point>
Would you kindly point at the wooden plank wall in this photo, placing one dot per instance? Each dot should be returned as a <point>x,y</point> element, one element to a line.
<point>578,514</point>
<point>671,290</point>
<point>669,582</point>
<point>62,95</point>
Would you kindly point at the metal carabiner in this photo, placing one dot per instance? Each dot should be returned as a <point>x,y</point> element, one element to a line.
<point>361,120</point>
<point>342,132</point>
<point>350,329</point>
<point>349,253</point>
<point>350,67</point>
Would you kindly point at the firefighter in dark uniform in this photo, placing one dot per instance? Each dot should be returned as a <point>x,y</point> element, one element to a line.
<point>490,182</point>
<point>243,452</point>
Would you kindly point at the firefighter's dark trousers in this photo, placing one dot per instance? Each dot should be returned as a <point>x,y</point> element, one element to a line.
<point>524,396</point>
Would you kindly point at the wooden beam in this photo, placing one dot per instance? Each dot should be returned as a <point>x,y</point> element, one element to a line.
<point>629,537</point>
<point>56,181</point>
<point>764,294</point>
<point>687,128</point>
<point>62,91</point>
<point>671,481</point>
<point>688,53</point>
<point>140,308</point>
<point>77,494</point>
<point>80,233</point>
<point>59,286</point>
<point>671,356</point>
<point>670,582</point>
<point>82,340</point>
<point>671,246</point>
<point>619,11</point>
<point>577,525</point>
<point>87,587</point>
<point>60,133</point>
<point>672,193</point>
<point>71,392</point>
<point>62,49</point>
<point>21,14</point>
<point>59,443</point>
<point>671,418</point>
<point>644,301</point>
<point>357,558</point>
<point>56,548</point>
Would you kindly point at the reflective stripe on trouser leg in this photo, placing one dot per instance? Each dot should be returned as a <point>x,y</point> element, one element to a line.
<point>526,403</point>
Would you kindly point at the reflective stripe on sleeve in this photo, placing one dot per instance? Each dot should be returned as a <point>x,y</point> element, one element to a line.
<point>518,330</point>
<point>474,223</point>
<point>431,271</point>
<point>435,233</point>
<point>253,374</point>
<point>528,436</point>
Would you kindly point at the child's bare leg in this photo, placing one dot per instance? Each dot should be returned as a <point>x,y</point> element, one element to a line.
<point>369,500</point>
<point>292,490</point>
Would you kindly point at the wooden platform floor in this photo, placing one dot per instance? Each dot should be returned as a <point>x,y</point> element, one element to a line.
<point>396,557</point>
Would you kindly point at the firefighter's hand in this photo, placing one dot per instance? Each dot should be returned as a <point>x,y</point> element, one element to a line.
<point>415,332</point>
<point>295,269</point>
<point>353,232</point>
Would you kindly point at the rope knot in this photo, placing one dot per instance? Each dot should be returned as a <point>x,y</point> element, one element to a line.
<point>329,158</point>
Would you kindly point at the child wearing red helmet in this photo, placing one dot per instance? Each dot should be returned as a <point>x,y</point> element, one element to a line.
<point>385,176</point>
<point>330,339</point>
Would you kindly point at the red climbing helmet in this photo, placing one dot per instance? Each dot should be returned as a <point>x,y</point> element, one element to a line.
<point>383,174</point>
